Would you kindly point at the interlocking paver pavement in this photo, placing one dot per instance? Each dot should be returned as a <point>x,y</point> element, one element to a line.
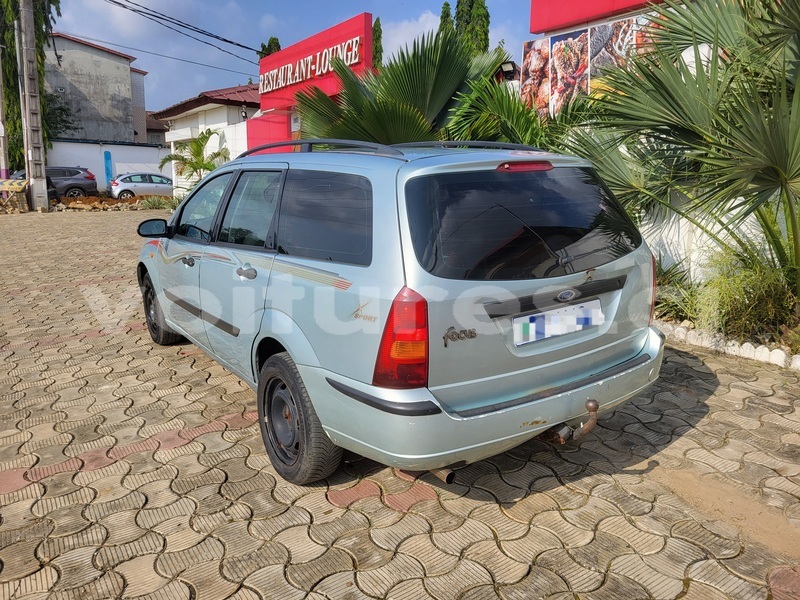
<point>130,470</point>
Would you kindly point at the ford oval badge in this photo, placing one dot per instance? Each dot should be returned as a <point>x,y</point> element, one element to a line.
<point>567,295</point>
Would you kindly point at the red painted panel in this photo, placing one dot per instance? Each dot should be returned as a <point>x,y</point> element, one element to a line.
<point>272,127</point>
<point>550,15</point>
<point>307,63</point>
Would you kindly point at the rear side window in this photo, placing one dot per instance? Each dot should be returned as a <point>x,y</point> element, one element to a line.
<point>326,216</point>
<point>490,225</point>
<point>249,214</point>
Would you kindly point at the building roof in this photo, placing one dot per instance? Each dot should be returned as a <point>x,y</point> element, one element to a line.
<point>154,124</point>
<point>240,95</point>
<point>96,46</point>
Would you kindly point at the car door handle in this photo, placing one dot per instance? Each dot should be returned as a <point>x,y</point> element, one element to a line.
<point>248,273</point>
<point>188,261</point>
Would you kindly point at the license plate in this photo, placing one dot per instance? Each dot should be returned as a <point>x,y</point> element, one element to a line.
<point>558,321</point>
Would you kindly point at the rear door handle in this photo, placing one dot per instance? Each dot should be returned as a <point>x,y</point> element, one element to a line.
<point>188,261</point>
<point>247,273</point>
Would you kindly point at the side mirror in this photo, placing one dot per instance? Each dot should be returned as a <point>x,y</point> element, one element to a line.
<point>153,228</point>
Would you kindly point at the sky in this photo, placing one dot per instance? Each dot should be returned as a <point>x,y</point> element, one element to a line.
<point>250,22</point>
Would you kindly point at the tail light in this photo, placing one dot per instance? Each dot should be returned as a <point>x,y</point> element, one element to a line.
<point>653,290</point>
<point>88,174</point>
<point>403,354</point>
<point>114,183</point>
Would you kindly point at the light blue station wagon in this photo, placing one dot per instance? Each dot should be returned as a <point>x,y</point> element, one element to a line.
<point>423,305</point>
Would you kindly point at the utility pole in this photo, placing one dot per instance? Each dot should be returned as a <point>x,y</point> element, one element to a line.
<point>3,136</point>
<point>32,110</point>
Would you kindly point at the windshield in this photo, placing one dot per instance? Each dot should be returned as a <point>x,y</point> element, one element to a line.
<point>490,225</point>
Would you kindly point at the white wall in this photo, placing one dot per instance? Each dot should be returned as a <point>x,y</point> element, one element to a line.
<point>674,239</point>
<point>124,158</point>
<point>233,136</point>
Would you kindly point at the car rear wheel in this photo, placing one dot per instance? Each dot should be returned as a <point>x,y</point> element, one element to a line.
<point>298,447</point>
<point>126,195</point>
<point>160,332</point>
<point>75,193</point>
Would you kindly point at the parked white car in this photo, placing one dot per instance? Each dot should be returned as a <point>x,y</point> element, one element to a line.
<point>139,184</point>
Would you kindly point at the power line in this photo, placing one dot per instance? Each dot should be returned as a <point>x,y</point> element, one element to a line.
<point>189,26</point>
<point>88,39</point>
<point>163,24</point>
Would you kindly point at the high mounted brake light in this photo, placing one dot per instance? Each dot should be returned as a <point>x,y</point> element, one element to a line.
<point>525,166</point>
<point>402,361</point>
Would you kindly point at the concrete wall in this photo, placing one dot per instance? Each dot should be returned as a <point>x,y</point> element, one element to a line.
<point>138,106</point>
<point>96,87</point>
<point>124,158</point>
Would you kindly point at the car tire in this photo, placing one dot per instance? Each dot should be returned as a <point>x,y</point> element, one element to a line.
<point>157,326</point>
<point>299,449</point>
<point>126,195</point>
<point>74,193</point>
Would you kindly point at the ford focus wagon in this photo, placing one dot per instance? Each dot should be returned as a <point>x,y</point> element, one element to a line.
<point>423,305</point>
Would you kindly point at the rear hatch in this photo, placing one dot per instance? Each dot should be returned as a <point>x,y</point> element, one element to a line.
<point>535,278</point>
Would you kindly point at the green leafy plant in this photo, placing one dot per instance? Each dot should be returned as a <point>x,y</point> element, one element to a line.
<point>154,202</point>
<point>676,296</point>
<point>746,301</point>
<point>191,158</point>
<point>172,202</point>
<point>409,100</point>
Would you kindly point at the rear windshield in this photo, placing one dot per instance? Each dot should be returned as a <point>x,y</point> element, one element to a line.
<point>490,225</point>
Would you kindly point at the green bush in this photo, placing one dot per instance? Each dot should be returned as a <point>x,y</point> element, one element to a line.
<point>750,301</point>
<point>154,202</point>
<point>173,202</point>
<point>676,296</point>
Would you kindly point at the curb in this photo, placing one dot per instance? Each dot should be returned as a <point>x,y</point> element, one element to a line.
<point>717,342</point>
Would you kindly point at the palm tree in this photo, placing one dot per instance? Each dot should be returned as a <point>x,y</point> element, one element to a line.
<point>709,116</point>
<point>191,160</point>
<point>493,112</point>
<point>409,100</point>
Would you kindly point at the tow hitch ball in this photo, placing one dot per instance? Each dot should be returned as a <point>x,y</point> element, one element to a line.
<point>565,433</point>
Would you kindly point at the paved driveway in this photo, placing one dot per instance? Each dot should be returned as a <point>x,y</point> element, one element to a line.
<point>129,470</point>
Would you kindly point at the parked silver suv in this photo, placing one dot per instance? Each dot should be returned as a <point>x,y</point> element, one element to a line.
<point>423,305</point>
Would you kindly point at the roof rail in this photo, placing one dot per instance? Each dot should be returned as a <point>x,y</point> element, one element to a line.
<point>467,144</point>
<point>307,146</point>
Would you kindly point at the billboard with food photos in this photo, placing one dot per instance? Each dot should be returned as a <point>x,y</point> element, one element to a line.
<point>569,67</point>
<point>535,78</point>
<point>558,68</point>
<point>610,45</point>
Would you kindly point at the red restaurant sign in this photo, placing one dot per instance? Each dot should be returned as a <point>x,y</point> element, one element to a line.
<point>548,16</point>
<point>308,63</point>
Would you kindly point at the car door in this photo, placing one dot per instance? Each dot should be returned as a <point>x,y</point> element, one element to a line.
<point>160,186</point>
<point>236,268</point>
<point>181,255</point>
<point>60,179</point>
<point>139,184</point>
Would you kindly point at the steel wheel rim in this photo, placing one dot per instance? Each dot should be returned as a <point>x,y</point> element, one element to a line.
<point>150,309</point>
<point>282,422</point>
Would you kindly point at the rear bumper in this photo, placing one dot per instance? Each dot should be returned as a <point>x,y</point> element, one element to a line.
<point>408,428</point>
